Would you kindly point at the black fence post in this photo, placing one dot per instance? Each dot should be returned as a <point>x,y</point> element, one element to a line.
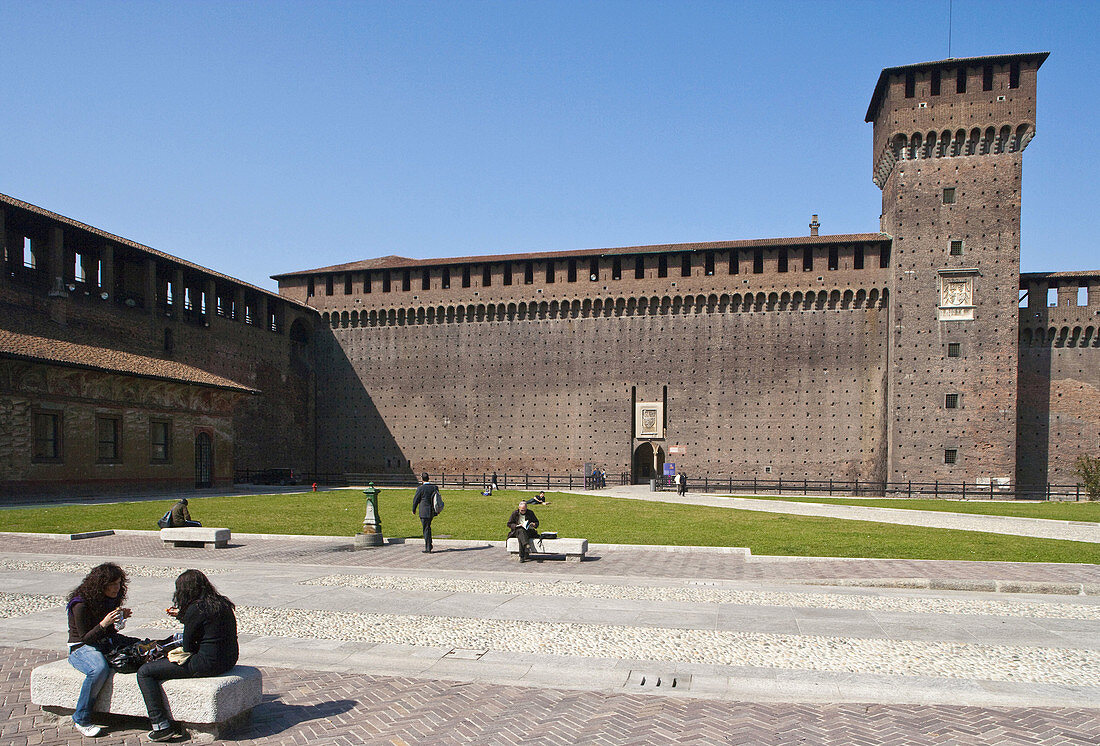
<point>964,489</point>
<point>754,485</point>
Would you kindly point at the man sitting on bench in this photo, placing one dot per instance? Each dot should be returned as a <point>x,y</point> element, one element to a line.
<point>180,516</point>
<point>523,524</point>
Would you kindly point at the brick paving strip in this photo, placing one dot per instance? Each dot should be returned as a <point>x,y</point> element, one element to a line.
<point>302,706</point>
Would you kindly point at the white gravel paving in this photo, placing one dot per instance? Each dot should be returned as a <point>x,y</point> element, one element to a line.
<point>1063,666</point>
<point>82,568</point>
<point>851,601</point>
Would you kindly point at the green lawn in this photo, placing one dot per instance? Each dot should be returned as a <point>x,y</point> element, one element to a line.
<point>1059,511</point>
<point>470,515</point>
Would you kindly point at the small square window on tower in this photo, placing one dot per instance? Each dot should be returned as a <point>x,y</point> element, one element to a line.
<point>956,248</point>
<point>951,401</point>
<point>954,349</point>
<point>950,455</point>
<point>949,195</point>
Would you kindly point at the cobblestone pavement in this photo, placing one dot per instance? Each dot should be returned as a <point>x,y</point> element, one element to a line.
<point>302,600</point>
<point>307,707</point>
<point>633,562</point>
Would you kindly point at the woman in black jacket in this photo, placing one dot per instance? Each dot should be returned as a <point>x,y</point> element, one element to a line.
<point>209,636</point>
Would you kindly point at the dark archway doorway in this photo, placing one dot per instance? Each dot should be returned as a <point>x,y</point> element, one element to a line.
<point>643,467</point>
<point>204,460</point>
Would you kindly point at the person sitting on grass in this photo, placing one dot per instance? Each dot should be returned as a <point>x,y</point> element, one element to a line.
<point>523,526</point>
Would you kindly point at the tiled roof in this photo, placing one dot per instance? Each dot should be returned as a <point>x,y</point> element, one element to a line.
<point>400,262</point>
<point>24,346</point>
<point>1074,275</point>
<point>18,203</point>
<point>880,86</point>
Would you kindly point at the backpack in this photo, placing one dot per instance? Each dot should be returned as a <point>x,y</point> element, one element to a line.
<point>166,519</point>
<point>437,502</point>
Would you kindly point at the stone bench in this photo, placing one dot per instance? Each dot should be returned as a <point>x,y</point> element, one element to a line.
<point>216,705</point>
<point>196,536</point>
<point>573,549</point>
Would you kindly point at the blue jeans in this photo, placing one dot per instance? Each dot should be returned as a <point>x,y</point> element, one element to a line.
<point>93,665</point>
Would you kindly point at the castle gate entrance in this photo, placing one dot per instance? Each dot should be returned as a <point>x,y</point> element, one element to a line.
<point>647,463</point>
<point>204,461</point>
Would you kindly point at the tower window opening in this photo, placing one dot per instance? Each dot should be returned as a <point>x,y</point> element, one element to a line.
<point>507,273</point>
<point>328,285</point>
<point>311,288</point>
<point>884,257</point>
<point>735,267</point>
<point>987,78</point>
<point>857,258</point>
<point>445,278</point>
<point>617,269</point>
<point>782,260</point>
<point>639,268</point>
<point>1014,75</point>
<point>950,455</point>
<point>528,273</point>
<point>466,276</point>
<point>685,265</point>
<point>934,83</point>
<point>1082,295</point>
<point>951,401</point>
<point>406,280</point>
<point>347,283</point>
<point>386,281</point>
<point>758,261</point>
<point>834,258</point>
<point>960,80</point>
<point>594,270</point>
<point>550,271</point>
<point>366,281</point>
<point>426,280</point>
<point>1052,297</point>
<point>571,274</point>
<point>910,84</point>
<point>807,259</point>
<point>708,263</point>
<point>662,266</point>
<point>954,349</point>
<point>487,275</point>
<point>956,248</point>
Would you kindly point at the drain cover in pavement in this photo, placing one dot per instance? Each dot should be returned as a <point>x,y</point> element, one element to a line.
<point>651,680</point>
<point>465,655</point>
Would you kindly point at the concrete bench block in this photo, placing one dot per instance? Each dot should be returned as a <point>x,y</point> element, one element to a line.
<point>216,705</point>
<point>573,549</point>
<point>196,536</point>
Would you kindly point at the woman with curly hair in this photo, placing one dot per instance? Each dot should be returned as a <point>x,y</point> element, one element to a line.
<point>94,609</point>
<point>209,643</point>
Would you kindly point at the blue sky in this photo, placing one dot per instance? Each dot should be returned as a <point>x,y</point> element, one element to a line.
<point>258,138</point>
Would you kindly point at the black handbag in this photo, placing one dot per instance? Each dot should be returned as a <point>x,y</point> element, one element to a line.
<point>128,658</point>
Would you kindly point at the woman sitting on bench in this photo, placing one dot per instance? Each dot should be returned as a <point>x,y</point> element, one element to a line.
<point>209,647</point>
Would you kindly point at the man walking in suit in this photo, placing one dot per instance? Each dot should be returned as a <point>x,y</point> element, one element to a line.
<point>424,506</point>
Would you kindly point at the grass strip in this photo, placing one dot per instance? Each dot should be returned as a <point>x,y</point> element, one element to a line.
<point>471,515</point>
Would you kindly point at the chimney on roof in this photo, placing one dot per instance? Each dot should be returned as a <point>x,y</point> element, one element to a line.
<point>814,225</point>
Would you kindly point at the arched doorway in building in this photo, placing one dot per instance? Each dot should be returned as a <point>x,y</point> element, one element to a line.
<point>204,460</point>
<point>645,466</point>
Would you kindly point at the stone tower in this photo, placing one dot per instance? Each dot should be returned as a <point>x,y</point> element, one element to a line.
<point>949,138</point>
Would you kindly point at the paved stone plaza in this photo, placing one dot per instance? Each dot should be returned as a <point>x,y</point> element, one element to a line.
<point>392,646</point>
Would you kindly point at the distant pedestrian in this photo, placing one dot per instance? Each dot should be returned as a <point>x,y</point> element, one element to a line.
<point>424,506</point>
<point>676,482</point>
<point>493,484</point>
<point>683,483</point>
